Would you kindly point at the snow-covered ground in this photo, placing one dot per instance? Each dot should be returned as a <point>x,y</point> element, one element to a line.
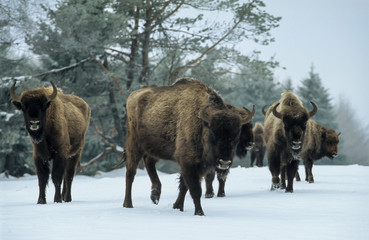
<point>336,206</point>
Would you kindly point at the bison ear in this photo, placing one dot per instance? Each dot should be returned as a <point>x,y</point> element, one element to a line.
<point>204,115</point>
<point>324,135</point>
<point>17,105</point>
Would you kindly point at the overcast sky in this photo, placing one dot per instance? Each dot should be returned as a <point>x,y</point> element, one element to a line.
<point>333,35</point>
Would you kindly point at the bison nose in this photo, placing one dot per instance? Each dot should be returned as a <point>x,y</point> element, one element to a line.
<point>334,154</point>
<point>224,165</point>
<point>249,146</point>
<point>296,145</point>
<point>34,125</point>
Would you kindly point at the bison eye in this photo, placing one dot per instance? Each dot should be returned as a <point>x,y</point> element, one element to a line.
<point>46,105</point>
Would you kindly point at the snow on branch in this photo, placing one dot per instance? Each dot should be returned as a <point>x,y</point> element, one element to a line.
<point>8,81</point>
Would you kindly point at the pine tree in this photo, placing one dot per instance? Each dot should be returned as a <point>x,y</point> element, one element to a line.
<point>312,89</point>
<point>354,141</point>
<point>255,86</point>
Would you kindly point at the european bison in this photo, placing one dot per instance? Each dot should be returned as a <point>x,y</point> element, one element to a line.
<point>258,151</point>
<point>56,124</point>
<point>284,130</point>
<point>319,142</point>
<point>245,144</point>
<point>188,122</point>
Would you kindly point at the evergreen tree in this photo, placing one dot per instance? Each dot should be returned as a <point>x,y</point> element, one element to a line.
<point>255,86</point>
<point>312,89</point>
<point>354,141</point>
<point>287,85</point>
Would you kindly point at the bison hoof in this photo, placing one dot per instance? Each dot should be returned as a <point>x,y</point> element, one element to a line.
<point>127,205</point>
<point>178,206</point>
<point>221,195</point>
<point>311,180</point>
<point>289,190</point>
<point>274,186</point>
<point>155,195</point>
<point>199,213</point>
<point>41,201</point>
<point>283,186</point>
<point>209,195</point>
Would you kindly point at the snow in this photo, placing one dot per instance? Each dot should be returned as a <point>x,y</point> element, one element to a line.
<point>334,207</point>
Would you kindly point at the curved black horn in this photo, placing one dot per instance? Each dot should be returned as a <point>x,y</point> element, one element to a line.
<point>263,110</point>
<point>313,112</point>
<point>276,113</point>
<point>14,96</point>
<point>338,134</point>
<point>55,92</point>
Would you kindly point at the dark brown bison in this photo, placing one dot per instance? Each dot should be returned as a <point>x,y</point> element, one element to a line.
<point>188,122</point>
<point>245,144</point>
<point>56,124</point>
<point>319,142</point>
<point>258,151</point>
<point>284,131</point>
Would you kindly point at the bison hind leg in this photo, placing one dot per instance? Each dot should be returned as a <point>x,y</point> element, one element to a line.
<point>181,195</point>
<point>155,195</point>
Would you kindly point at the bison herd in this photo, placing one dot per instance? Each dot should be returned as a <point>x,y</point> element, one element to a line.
<point>187,122</point>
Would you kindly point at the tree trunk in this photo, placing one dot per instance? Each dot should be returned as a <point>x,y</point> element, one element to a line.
<point>146,46</point>
<point>134,47</point>
<point>118,123</point>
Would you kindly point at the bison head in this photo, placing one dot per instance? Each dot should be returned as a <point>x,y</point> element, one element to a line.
<point>224,133</point>
<point>294,123</point>
<point>330,143</point>
<point>33,104</point>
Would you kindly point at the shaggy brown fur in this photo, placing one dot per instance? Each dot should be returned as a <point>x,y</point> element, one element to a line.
<point>319,142</point>
<point>284,130</point>
<point>56,124</point>
<point>245,144</point>
<point>188,122</point>
<point>258,151</point>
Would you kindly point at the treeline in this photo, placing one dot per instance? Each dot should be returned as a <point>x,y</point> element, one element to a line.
<point>101,50</point>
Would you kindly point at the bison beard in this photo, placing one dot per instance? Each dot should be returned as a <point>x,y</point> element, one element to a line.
<point>56,124</point>
<point>187,122</point>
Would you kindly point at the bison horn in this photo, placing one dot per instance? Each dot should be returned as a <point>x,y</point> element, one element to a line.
<point>313,112</point>
<point>55,92</point>
<point>15,97</point>
<point>204,115</point>
<point>263,110</point>
<point>276,113</point>
<point>249,116</point>
<point>338,134</point>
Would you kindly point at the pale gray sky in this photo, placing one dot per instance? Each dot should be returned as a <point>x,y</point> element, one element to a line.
<point>333,35</point>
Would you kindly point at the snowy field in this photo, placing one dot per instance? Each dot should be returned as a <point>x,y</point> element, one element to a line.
<point>336,206</point>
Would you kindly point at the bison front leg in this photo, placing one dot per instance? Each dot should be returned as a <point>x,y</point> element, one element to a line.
<point>68,177</point>
<point>291,173</point>
<point>57,175</point>
<point>274,168</point>
<point>43,172</point>
<point>191,178</point>
<point>209,184</point>
<point>252,158</point>
<point>309,171</point>
<point>222,177</point>
<point>155,181</point>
